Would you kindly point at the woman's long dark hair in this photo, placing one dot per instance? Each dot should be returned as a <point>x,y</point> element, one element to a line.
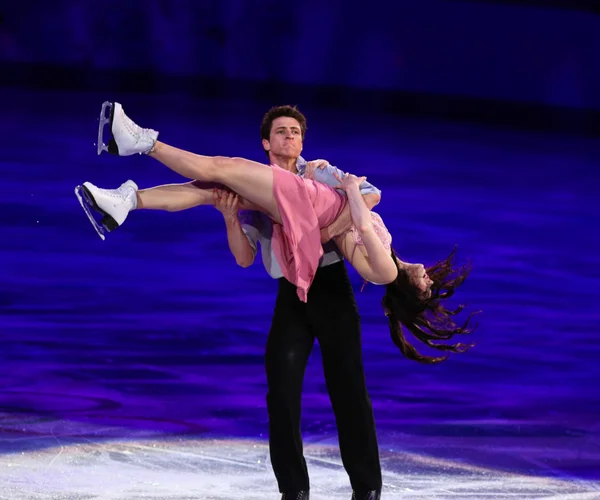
<point>426,318</point>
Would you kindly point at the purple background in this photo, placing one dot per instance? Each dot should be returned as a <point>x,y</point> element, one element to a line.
<point>157,329</point>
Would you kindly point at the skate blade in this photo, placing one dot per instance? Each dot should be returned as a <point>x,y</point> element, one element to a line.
<point>103,121</point>
<point>81,194</point>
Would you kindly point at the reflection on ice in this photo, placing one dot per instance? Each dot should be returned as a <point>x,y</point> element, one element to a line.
<point>185,469</point>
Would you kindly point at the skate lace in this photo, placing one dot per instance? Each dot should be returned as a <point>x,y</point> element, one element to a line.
<point>117,194</point>
<point>131,126</point>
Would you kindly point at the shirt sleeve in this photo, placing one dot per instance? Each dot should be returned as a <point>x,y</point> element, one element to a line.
<point>250,223</point>
<point>327,176</point>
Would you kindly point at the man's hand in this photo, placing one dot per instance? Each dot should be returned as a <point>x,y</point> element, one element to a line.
<point>227,202</point>
<point>312,166</point>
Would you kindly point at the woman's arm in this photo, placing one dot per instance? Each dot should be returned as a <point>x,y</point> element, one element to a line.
<point>344,221</point>
<point>373,261</point>
<point>322,171</point>
<point>360,213</point>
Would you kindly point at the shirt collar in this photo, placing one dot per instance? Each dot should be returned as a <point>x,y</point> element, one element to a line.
<point>301,165</point>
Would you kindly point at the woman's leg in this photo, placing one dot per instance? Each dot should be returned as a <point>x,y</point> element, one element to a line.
<point>251,180</point>
<point>176,197</point>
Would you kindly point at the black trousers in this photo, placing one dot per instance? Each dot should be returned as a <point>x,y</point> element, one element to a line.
<point>331,316</point>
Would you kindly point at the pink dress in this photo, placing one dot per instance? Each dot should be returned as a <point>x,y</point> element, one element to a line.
<point>305,207</point>
<point>380,230</point>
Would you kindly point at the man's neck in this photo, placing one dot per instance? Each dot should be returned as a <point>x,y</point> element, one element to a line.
<point>285,162</point>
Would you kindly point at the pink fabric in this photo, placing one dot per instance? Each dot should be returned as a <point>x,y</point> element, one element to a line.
<point>380,230</point>
<point>305,206</point>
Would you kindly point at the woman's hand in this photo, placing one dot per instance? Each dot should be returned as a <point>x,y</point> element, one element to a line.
<point>349,181</point>
<point>312,166</point>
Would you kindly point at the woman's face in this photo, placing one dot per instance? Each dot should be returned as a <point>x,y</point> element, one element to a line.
<point>418,277</point>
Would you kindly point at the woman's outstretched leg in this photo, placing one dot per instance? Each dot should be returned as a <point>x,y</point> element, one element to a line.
<point>114,205</point>
<point>176,197</point>
<point>251,180</point>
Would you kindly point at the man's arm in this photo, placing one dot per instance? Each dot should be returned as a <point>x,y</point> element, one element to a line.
<point>241,240</point>
<point>343,223</point>
<point>238,242</point>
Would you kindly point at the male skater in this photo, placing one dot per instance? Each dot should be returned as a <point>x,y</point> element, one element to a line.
<point>330,315</point>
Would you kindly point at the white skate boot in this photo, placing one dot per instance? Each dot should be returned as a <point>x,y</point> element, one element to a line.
<point>128,138</point>
<point>113,204</point>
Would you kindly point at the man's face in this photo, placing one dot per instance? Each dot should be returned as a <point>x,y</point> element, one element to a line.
<point>286,138</point>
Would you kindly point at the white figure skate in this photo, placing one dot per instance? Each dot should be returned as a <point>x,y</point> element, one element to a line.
<point>128,138</point>
<point>113,204</point>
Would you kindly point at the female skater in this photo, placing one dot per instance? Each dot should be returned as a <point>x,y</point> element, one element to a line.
<point>413,294</point>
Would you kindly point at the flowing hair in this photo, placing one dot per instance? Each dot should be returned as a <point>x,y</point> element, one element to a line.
<point>426,317</point>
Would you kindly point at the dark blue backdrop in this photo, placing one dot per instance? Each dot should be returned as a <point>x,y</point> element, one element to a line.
<point>499,50</point>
